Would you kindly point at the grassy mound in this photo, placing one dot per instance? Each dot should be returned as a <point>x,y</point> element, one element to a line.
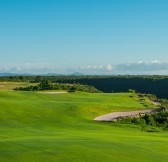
<point>44,127</point>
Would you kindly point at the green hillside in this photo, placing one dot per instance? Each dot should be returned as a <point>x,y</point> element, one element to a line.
<point>60,127</point>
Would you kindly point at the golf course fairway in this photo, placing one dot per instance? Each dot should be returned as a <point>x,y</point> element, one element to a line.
<point>60,128</point>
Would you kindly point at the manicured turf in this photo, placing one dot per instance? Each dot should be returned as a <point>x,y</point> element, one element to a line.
<point>60,127</point>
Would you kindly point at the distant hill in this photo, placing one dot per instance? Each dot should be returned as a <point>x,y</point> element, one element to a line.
<point>48,74</point>
<point>14,74</point>
<point>77,74</point>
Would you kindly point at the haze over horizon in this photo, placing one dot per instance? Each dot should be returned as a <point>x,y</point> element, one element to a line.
<point>86,36</point>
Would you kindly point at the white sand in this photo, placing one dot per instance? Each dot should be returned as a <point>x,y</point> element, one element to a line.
<point>61,92</point>
<point>116,115</point>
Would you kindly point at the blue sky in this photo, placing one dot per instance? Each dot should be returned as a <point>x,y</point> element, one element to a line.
<point>81,35</point>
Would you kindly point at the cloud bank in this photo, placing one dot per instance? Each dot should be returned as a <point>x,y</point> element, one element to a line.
<point>137,68</point>
<point>143,66</point>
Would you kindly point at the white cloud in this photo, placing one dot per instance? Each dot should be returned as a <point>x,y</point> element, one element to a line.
<point>97,67</point>
<point>109,67</point>
<point>152,67</point>
<point>143,66</point>
<point>156,62</point>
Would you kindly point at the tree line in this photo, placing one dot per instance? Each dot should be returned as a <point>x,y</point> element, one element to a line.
<point>157,85</point>
<point>48,85</point>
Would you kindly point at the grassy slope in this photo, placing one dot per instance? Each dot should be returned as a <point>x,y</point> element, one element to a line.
<point>44,127</point>
<point>12,85</point>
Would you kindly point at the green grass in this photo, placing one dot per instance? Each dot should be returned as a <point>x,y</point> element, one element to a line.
<point>12,85</point>
<point>60,127</point>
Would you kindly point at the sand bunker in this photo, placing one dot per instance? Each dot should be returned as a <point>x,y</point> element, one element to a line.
<point>54,92</point>
<point>117,115</point>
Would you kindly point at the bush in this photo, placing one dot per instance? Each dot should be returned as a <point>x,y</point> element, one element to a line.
<point>131,90</point>
<point>151,129</point>
<point>151,120</point>
<point>47,85</point>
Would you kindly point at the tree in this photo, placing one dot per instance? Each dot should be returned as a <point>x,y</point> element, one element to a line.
<point>45,85</point>
<point>37,79</point>
<point>72,89</point>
